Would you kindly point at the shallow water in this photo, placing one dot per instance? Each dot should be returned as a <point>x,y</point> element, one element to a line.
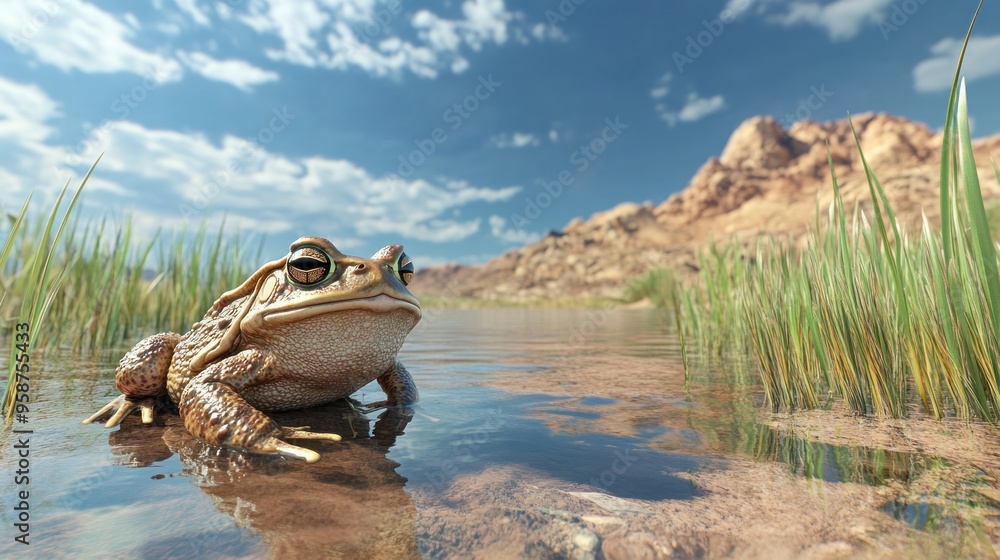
<point>527,418</point>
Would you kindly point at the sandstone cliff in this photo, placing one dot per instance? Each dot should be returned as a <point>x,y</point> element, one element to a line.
<point>766,180</point>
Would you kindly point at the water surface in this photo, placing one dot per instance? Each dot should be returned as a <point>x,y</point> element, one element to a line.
<point>541,433</point>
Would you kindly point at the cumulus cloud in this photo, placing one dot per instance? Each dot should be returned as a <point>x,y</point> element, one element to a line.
<point>191,8</point>
<point>341,34</point>
<point>187,175</point>
<point>841,19</point>
<point>238,73</point>
<point>31,160</point>
<point>697,107</point>
<point>736,8</point>
<point>335,34</point>
<point>936,73</point>
<point>694,107</point>
<point>662,87</point>
<point>499,229</point>
<point>76,35</point>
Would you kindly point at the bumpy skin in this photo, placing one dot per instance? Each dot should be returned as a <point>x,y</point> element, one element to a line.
<point>292,335</point>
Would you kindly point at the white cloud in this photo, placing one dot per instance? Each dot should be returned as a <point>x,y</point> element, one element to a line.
<point>841,19</point>
<point>238,73</point>
<point>937,72</point>
<point>341,34</point>
<point>499,229</point>
<point>186,173</point>
<point>335,34</point>
<point>75,35</point>
<point>694,108</point>
<point>485,22</point>
<point>32,161</point>
<point>659,92</point>
<point>24,109</point>
<point>662,87</point>
<point>553,135</point>
<point>516,140</point>
<point>190,7</point>
<point>295,23</point>
<point>271,187</point>
<point>24,113</point>
<point>735,8</point>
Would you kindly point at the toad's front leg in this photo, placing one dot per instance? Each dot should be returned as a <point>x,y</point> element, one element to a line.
<point>141,376</point>
<point>214,411</point>
<point>399,388</point>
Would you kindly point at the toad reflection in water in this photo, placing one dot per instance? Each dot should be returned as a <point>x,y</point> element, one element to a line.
<point>350,505</point>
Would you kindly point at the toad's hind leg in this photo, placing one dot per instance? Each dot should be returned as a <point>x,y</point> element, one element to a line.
<point>141,376</point>
<point>214,411</point>
<point>400,390</point>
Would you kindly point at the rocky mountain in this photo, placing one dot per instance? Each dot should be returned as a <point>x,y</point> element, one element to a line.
<point>767,180</point>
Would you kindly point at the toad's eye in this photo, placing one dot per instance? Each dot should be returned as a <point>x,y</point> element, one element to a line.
<point>308,266</point>
<point>404,269</point>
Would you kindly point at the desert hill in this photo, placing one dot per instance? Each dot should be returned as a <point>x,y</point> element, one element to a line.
<point>766,180</point>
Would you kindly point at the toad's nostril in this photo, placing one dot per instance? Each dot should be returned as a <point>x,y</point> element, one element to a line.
<point>359,269</point>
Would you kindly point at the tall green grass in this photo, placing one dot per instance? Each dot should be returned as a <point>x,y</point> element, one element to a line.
<point>868,312</point>
<point>95,284</point>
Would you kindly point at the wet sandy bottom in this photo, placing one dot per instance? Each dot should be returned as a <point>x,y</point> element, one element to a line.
<point>740,507</point>
<point>747,510</point>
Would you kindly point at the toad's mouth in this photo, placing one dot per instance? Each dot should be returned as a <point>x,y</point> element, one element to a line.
<point>382,303</point>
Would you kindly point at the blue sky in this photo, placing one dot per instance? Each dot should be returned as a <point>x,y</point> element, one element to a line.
<point>432,123</point>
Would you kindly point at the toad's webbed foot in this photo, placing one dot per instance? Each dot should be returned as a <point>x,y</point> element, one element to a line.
<point>124,406</point>
<point>274,445</point>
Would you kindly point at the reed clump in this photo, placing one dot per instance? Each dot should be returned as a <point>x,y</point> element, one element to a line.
<point>867,312</point>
